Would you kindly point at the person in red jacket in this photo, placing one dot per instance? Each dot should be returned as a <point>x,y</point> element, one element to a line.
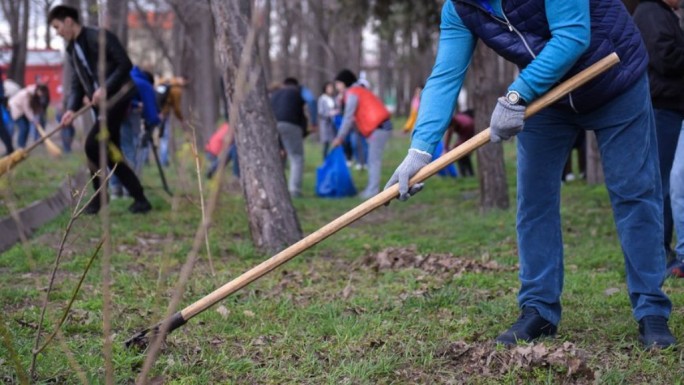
<point>372,119</point>
<point>215,145</point>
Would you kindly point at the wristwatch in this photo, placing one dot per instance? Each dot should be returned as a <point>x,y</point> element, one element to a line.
<point>514,98</point>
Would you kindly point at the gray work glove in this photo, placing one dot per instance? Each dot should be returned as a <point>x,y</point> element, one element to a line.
<point>507,120</point>
<point>414,161</point>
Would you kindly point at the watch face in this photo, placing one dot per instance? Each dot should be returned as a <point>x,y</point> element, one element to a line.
<point>513,97</point>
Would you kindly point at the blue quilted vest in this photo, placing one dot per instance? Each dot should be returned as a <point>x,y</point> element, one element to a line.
<point>612,30</point>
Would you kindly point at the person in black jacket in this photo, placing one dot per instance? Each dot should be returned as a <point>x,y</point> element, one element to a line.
<point>664,40</point>
<point>288,108</point>
<point>82,53</point>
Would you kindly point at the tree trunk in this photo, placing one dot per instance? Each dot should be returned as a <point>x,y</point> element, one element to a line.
<point>265,43</point>
<point>318,56</point>
<point>199,65</point>
<point>47,5</point>
<point>117,11</point>
<point>490,160</point>
<point>286,29</point>
<point>93,12</point>
<point>300,45</point>
<point>19,34</point>
<point>387,49</point>
<point>594,167</point>
<point>272,218</point>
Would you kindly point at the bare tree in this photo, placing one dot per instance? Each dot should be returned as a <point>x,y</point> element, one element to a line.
<point>93,12</point>
<point>265,42</point>
<point>287,21</point>
<point>594,167</point>
<point>117,19</point>
<point>47,5</point>
<point>486,87</point>
<point>17,12</point>
<point>195,36</point>
<point>272,218</point>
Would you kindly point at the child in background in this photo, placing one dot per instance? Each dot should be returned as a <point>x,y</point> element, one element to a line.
<point>213,150</point>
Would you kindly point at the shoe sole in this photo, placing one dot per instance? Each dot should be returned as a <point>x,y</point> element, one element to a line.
<point>654,345</point>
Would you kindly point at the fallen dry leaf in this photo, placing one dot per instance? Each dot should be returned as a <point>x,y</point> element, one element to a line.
<point>484,359</point>
<point>610,291</point>
<point>348,291</point>
<point>223,311</point>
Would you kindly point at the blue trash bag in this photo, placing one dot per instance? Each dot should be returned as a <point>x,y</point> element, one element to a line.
<point>333,179</point>
<point>449,170</point>
<point>337,122</point>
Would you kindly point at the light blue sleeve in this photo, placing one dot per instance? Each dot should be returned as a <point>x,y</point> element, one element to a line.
<point>439,97</point>
<point>570,35</point>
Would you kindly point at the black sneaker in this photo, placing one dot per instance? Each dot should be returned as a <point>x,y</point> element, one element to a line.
<point>529,326</point>
<point>140,206</point>
<point>654,332</point>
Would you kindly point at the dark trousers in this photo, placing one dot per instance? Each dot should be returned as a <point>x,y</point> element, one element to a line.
<point>465,166</point>
<point>115,116</point>
<point>668,127</point>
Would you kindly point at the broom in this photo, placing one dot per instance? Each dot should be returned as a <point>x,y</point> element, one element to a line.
<point>50,146</point>
<point>9,162</point>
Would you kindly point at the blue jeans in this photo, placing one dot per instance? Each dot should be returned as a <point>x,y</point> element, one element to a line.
<point>668,126</point>
<point>67,134</point>
<point>22,127</point>
<point>214,161</point>
<point>164,142</point>
<point>677,195</point>
<point>625,130</point>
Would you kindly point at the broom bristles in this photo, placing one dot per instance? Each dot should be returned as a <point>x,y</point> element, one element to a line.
<point>50,146</point>
<point>11,160</point>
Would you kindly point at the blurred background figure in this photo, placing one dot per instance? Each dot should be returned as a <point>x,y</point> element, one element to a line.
<point>413,114</point>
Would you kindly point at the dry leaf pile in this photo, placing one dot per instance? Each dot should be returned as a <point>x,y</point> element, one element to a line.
<point>395,258</point>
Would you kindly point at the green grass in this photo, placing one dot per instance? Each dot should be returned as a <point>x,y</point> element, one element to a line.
<point>296,325</point>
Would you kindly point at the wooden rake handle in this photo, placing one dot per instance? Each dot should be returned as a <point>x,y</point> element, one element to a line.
<point>371,204</point>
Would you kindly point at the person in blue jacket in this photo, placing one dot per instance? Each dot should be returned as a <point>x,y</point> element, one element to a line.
<point>142,117</point>
<point>550,41</point>
<point>4,133</point>
<point>311,105</point>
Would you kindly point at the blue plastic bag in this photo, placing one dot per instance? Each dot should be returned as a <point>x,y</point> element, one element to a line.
<point>449,170</point>
<point>333,179</point>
